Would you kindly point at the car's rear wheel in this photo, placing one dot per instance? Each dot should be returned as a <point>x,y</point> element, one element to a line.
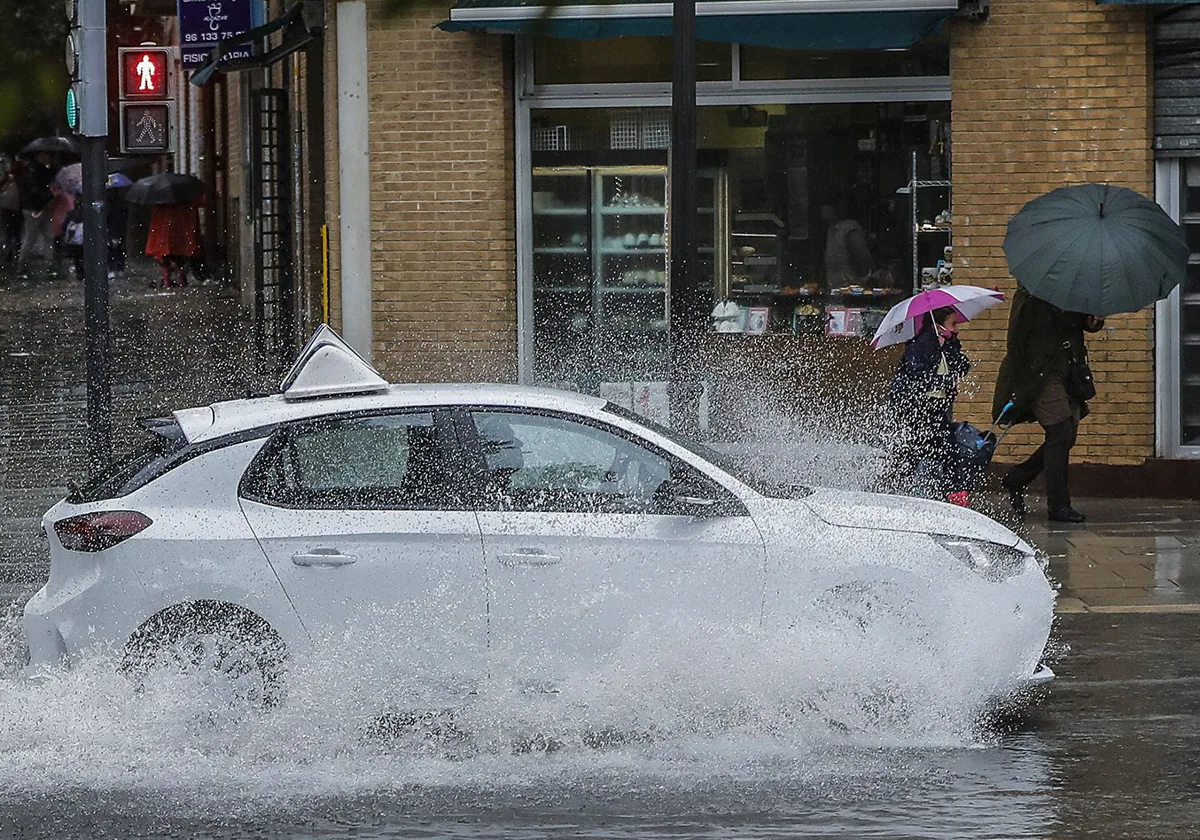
<point>227,654</point>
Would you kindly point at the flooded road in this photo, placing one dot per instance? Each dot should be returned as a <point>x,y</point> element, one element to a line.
<point>1111,752</point>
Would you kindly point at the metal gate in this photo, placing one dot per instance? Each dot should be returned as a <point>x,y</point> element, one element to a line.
<point>274,270</point>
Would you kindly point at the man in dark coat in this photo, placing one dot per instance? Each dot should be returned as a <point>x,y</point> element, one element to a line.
<point>1042,340</point>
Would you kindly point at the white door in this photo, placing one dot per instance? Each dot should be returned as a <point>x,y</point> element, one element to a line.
<point>600,549</point>
<point>381,559</point>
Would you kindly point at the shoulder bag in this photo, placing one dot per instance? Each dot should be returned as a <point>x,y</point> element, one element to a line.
<point>1079,385</point>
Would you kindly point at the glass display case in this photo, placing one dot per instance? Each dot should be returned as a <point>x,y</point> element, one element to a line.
<point>631,275</point>
<point>600,272</point>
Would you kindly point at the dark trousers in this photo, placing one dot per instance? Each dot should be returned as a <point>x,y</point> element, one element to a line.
<point>1054,457</point>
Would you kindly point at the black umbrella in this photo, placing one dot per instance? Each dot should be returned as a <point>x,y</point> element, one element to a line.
<point>1096,248</point>
<point>165,188</point>
<point>54,145</point>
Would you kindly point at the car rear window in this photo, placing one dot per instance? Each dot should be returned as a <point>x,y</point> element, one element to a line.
<point>144,464</point>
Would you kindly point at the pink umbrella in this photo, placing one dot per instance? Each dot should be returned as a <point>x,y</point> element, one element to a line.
<point>899,325</point>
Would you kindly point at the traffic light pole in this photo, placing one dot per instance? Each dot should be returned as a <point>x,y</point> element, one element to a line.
<point>87,113</point>
<point>95,303</point>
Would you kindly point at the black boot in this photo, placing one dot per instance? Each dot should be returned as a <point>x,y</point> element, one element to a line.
<point>1015,488</point>
<point>1016,498</point>
<point>1067,514</point>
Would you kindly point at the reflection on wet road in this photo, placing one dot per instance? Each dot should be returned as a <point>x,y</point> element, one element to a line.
<point>1111,752</point>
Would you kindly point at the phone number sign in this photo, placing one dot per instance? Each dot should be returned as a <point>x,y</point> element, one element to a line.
<point>204,24</point>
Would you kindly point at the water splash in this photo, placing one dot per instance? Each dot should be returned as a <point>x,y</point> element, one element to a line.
<point>681,697</point>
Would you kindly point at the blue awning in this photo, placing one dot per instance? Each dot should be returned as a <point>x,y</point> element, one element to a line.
<point>788,24</point>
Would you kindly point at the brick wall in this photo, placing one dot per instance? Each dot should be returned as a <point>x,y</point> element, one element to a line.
<point>443,256</point>
<point>1048,93</point>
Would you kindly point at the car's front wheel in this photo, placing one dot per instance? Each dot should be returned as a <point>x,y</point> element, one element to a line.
<point>227,653</point>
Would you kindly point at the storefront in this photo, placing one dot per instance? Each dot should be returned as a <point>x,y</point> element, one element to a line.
<point>497,199</point>
<point>824,198</point>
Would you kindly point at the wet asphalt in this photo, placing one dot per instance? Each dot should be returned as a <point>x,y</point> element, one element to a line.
<point>1111,751</point>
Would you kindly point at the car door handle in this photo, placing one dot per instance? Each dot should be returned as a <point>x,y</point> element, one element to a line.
<point>319,557</point>
<point>528,557</point>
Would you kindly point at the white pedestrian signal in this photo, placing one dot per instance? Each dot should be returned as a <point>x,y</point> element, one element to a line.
<point>146,70</point>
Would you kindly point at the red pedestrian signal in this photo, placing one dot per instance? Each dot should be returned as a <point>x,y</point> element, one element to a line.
<point>144,73</point>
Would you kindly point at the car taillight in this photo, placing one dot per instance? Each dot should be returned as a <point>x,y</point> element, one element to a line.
<point>98,531</point>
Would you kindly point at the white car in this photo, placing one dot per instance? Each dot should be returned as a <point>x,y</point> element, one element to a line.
<point>517,534</point>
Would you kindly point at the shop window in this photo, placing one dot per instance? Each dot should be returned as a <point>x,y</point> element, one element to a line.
<point>931,57</point>
<point>805,240</point>
<point>567,61</point>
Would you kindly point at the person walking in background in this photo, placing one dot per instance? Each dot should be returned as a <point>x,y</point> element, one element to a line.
<point>118,222</point>
<point>174,239</point>
<point>10,211</point>
<point>1035,383</point>
<point>37,238</point>
<point>71,241</point>
<point>921,403</point>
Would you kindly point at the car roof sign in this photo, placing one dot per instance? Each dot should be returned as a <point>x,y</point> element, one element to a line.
<point>328,366</point>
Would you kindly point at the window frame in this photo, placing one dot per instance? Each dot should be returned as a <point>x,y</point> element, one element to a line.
<point>728,503</point>
<point>449,452</point>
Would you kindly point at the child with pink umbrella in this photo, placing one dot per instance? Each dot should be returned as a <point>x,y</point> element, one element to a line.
<point>922,393</point>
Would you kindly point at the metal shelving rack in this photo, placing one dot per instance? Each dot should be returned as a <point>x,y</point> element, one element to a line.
<point>913,191</point>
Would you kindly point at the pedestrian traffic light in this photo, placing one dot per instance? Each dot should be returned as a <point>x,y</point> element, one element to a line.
<point>87,65</point>
<point>145,73</point>
<point>146,104</point>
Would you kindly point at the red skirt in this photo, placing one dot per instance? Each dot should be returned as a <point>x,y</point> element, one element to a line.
<point>174,231</point>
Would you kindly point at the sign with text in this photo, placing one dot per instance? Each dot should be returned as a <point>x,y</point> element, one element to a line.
<point>204,24</point>
<point>144,73</point>
<point>145,127</point>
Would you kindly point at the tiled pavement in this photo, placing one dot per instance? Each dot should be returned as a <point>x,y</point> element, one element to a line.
<point>1132,556</point>
<point>190,346</point>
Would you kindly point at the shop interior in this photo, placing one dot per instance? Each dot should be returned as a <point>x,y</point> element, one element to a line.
<point>814,220</point>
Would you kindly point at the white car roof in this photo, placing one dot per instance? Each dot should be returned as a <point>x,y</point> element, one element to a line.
<point>225,418</point>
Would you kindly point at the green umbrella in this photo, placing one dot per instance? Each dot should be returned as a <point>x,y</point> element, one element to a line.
<point>1096,248</point>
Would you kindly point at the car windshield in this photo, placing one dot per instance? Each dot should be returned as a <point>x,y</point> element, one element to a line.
<point>742,471</point>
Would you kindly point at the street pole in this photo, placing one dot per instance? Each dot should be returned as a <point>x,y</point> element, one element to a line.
<point>95,303</point>
<point>87,111</point>
<point>686,319</point>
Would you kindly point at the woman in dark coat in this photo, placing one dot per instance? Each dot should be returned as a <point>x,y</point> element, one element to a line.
<point>1042,340</point>
<point>921,401</point>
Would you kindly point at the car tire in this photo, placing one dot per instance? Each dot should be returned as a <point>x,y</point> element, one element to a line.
<point>229,650</point>
<point>882,610</point>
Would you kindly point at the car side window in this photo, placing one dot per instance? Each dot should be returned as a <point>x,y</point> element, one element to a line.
<point>394,461</point>
<point>545,463</point>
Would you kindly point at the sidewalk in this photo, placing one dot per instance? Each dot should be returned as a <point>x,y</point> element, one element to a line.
<point>171,348</point>
<point>1132,556</point>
